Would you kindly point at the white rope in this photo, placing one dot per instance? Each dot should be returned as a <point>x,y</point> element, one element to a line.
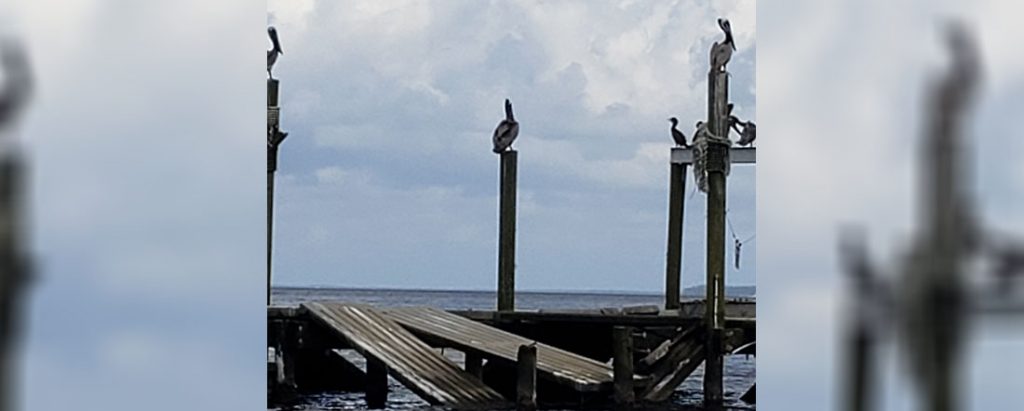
<point>702,137</point>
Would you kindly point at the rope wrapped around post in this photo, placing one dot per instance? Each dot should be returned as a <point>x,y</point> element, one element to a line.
<point>703,139</point>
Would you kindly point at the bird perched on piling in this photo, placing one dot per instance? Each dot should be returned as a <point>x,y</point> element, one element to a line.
<point>749,132</point>
<point>507,130</point>
<point>722,52</point>
<point>677,135</point>
<point>274,52</point>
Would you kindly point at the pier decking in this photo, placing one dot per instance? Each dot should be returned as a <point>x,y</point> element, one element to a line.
<point>574,350</point>
<point>423,370</point>
<point>581,373</point>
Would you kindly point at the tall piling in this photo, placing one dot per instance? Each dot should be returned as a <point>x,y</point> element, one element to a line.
<point>676,208</point>
<point>507,231</point>
<point>274,139</point>
<point>716,164</point>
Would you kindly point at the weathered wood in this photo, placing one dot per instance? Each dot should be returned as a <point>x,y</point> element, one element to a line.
<point>270,227</point>
<point>565,368</point>
<point>272,103</point>
<point>507,232</point>
<point>409,360</point>
<point>622,364</point>
<point>272,92</point>
<point>676,209</point>
<point>376,383</point>
<point>670,364</point>
<point>718,87</point>
<point>526,378</point>
<point>737,155</point>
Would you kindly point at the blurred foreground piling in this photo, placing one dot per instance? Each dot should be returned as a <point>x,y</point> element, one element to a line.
<point>13,270</point>
<point>926,302</point>
<point>14,262</point>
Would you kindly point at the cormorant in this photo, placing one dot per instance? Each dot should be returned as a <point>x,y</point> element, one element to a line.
<point>677,135</point>
<point>507,130</point>
<point>274,52</point>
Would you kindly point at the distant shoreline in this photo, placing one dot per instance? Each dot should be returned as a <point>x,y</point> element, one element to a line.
<point>695,291</point>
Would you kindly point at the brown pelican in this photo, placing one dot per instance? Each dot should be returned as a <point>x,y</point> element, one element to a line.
<point>272,53</point>
<point>722,52</point>
<point>749,132</point>
<point>507,130</point>
<point>678,135</point>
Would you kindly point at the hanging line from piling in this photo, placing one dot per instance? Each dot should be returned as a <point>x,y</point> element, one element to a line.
<point>736,240</point>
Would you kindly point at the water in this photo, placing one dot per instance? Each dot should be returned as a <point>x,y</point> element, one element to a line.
<point>739,370</point>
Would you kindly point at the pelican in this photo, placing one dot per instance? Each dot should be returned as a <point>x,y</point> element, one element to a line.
<point>722,52</point>
<point>678,135</point>
<point>507,130</point>
<point>274,52</point>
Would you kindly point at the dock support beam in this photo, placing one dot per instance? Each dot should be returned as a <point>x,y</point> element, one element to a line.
<point>622,365</point>
<point>676,208</point>
<point>526,378</point>
<point>376,383</point>
<point>507,232</point>
<point>716,163</point>
<point>475,365</point>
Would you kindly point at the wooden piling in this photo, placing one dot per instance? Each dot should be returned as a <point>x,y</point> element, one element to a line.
<point>272,126</point>
<point>507,231</point>
<point>526,378</point>
<point>376,383</point>
<point>622,365</point>
<point>676,209</point>
<point>14,272</point>
<point>716,163</point>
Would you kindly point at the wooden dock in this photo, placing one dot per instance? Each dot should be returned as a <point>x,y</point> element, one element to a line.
<point>573,357</point>
<point>581,373</point>
<point>415,364</point>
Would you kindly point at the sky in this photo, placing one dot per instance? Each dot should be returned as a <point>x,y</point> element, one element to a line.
<point>387,178</point>
<point>146,204</point>
<point>842,83</point>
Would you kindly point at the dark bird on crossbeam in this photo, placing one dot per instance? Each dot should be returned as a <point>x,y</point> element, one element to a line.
<point>677,135</point>
<point>273,52</point>
<point>507,130</point>
<point>749,132</point>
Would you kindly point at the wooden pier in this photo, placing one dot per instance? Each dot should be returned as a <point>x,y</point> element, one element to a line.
<point>426,372</point>
<point>625,354</point>
<point>572,350</point>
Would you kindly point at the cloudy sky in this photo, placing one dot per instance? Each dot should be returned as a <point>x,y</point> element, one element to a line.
<point>147,209</point>
<point>842,84</point>
<point>387,179</point>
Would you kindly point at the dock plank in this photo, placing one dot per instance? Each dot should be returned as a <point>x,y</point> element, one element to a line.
<point>412,362</point>
<point>563,367</point>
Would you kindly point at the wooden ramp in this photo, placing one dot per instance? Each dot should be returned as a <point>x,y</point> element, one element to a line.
<point>563,367</point>
<point>672,362</point>
<point>416,365</point>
